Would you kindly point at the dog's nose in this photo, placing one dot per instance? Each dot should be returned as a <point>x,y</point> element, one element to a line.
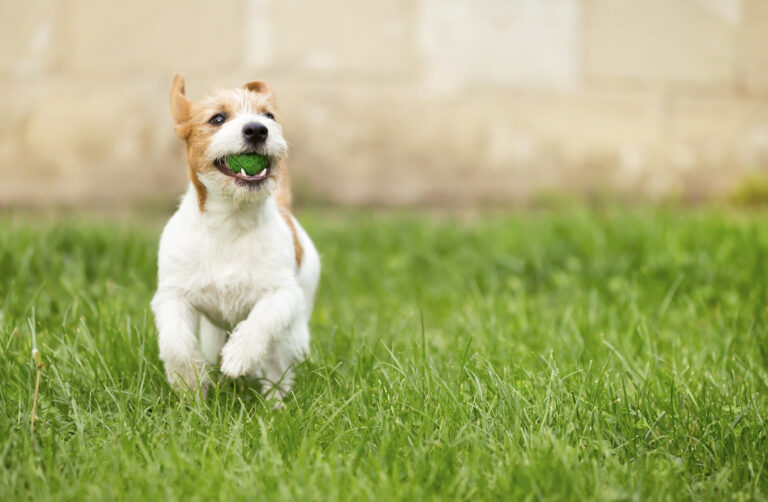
<point>255,132</point>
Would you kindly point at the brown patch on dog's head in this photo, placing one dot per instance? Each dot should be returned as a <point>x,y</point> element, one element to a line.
<point>259,87</point>
<point>196,123</point>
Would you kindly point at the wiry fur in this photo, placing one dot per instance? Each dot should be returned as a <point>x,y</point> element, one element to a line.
<point>232,258</point>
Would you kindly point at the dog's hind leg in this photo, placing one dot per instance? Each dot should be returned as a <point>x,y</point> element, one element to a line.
<point>278,371</point>
<point>212,339</point>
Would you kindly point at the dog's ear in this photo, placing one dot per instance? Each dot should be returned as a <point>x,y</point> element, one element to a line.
<point>180,104</point>
<point>259,86</point>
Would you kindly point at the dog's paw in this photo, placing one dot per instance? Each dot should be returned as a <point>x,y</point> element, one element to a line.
<point>241,356</point>
<point>188,377</point>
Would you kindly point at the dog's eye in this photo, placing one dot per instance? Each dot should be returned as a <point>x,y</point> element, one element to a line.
<point>217,119</point>
<point>269,115</point>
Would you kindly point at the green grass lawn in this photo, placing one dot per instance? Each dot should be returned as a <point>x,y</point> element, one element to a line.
<point>564,355</point>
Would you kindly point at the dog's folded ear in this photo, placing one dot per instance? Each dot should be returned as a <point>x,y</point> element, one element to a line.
<point>180,104</point>
<point>258,86</point>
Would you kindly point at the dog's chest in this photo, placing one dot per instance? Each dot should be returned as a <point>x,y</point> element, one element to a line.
<point>227,278</point>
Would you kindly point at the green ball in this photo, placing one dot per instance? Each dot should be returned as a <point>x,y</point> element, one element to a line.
<point>251,163</point>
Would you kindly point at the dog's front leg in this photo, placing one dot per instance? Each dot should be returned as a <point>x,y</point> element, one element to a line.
<point>177,323</point>
<point>269,319</point>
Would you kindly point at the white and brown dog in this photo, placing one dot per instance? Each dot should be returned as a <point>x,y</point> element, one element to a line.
<point>232,259</point>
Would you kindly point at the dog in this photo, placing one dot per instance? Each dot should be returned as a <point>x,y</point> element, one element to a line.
<point>234,266</point>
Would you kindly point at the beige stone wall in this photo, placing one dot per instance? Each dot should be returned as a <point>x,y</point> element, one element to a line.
<point>398,102</point>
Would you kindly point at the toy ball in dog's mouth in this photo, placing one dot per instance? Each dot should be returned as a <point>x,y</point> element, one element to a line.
<point>251,164</point>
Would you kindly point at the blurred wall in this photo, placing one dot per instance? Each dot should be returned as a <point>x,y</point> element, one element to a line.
<point>397,102</point>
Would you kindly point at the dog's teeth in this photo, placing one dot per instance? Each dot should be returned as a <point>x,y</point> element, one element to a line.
<point>242,171</point>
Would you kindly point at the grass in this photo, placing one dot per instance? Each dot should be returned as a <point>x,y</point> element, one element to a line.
<point>561,355</point>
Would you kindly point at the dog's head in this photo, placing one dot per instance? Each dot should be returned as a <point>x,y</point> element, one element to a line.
<point>229,122</point>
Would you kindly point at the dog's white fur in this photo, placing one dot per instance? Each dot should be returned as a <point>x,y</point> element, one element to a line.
<point>232,268</point>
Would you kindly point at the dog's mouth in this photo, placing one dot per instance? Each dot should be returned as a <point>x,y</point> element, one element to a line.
<point>248,169</point>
